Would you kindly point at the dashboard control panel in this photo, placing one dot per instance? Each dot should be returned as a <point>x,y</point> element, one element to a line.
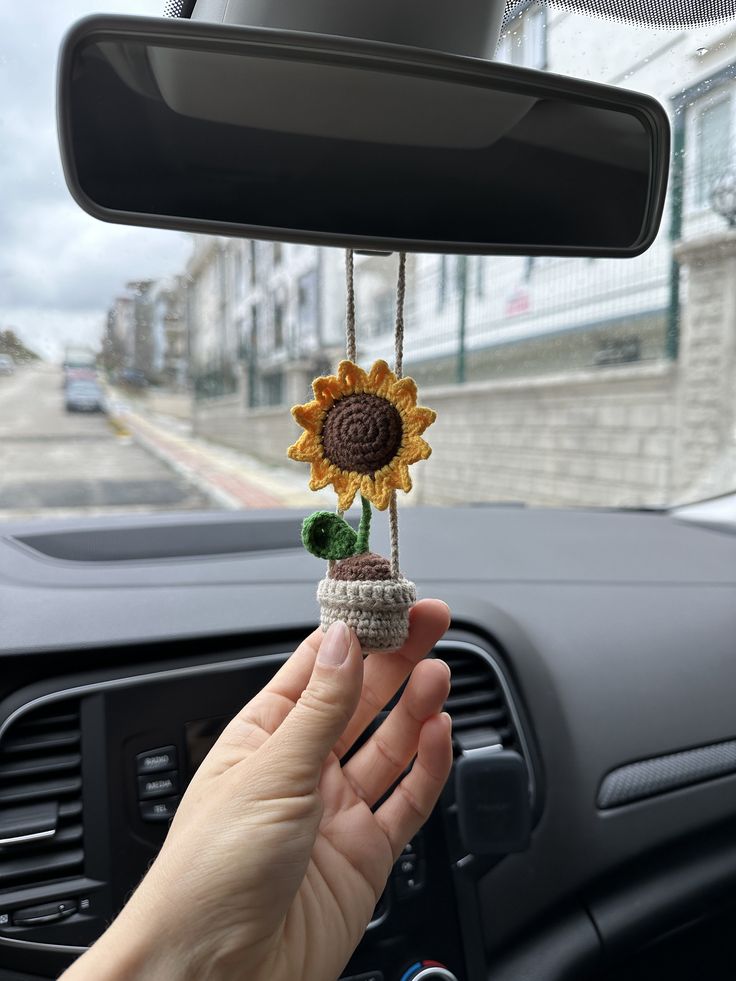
<point>158,783</point>
<point>141,741</point>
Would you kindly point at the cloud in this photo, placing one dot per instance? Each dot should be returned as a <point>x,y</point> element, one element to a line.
<point>60,269</point>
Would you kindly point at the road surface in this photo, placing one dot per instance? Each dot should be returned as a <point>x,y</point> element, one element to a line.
<point>54,462</point>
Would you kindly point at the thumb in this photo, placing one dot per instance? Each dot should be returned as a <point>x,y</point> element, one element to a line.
<point>305,738</point>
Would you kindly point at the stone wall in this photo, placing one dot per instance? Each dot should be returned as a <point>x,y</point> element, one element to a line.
<point>601,437</point>
<point>175,404</point>
<point>706,395</point>
<point>263,433</point>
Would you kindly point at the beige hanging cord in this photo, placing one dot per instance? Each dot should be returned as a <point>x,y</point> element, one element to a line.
<point>393,513</point>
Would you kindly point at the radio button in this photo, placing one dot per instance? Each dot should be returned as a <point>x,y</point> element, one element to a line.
<point>156,760</point>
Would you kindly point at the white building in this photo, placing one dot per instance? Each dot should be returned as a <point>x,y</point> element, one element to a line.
<point>268,314</point>
<point>169,356</point>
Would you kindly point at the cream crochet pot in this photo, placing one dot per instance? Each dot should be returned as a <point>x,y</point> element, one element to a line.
<point>377,610</point>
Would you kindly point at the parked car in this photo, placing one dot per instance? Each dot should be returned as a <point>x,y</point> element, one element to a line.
<point>7,365</point>
<point>84,395</point>
<point>133,378</point>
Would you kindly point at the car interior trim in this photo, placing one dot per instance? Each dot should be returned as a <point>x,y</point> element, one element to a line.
<point>661,774</point>
<point>23,839</point>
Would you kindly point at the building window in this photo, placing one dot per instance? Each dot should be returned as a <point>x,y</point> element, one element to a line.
<point>253,263</point>
<point>442,285</point>
<point>713,141</point>
<point>480,275</point>
<point>272,388</point>
<point>384,315</point>
<point>307,305</point>
<point>278,325</point>
<point>239,270</point>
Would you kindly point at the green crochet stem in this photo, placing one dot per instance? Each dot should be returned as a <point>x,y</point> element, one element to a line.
<point>328,536</point>
<point>364,528</point>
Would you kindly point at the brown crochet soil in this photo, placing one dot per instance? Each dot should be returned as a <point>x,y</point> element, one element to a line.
<point>368,565</point>
<point>362,433</point>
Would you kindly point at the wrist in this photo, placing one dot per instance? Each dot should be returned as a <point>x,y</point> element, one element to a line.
<point>140,945</point>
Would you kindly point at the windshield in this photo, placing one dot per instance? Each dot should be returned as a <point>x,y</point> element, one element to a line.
<point>557,381</point>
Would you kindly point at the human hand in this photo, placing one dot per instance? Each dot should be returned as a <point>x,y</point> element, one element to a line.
<point>276,859</point>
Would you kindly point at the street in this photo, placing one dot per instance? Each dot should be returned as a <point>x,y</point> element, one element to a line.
<point>53,462</point>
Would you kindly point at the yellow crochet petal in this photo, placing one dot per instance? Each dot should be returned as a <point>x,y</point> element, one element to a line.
<point>404,393</point>
<point>351,377</point>
<point>418,419</point>
<point>321,474</point>
<point>326,390</point>
<point>381,379</point>
<point>346,487</point>
<point>401,478</point>
<point>377,489</point>
<point>415,449</point>
<point>306,448</point>
<point>309,416</point>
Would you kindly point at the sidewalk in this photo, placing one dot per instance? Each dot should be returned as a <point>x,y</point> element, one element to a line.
<point>230,479</point>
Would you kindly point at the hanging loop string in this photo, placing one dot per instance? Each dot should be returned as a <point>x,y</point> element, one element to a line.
<point>399,332</point>
<point>350,342</point>
<point>393,513</point>
<point>350,339</point>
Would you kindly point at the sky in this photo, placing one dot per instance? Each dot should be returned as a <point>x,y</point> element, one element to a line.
<point>60,269</point>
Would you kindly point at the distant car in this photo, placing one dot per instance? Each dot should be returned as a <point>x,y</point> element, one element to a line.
<point>85,373</point>
<point>84,395</point>
<point>133,378</point>
<point>7,365</point>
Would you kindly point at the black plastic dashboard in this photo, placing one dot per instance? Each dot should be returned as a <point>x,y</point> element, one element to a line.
<point>615,633</point>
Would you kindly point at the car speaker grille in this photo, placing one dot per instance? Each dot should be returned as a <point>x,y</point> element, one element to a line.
<point>41,797</point>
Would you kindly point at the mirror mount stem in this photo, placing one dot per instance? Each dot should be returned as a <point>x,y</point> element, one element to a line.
<point>463,27</point>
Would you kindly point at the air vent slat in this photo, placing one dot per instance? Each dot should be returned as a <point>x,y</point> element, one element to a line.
<point>32,868</point>
<point>463,681</point>
<point>41,768</point>
<point>481,720</point>
<point>70,809</point>
<point>58,720</point>
<point>40,741</point>
<point>477,700</point>
<point>37,790</point>
<point>36,765</point>
<point>461,703</point>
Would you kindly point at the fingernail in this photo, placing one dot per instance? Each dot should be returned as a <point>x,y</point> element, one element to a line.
<point>334,648</point>
<point>446,715</point>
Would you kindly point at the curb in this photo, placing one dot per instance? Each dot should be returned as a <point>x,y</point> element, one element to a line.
<point>215,495</point>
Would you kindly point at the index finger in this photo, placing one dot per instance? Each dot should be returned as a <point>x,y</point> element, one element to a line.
<point>385,673</point>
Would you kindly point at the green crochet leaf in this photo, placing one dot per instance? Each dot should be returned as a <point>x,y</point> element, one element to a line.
<point>328,536</point>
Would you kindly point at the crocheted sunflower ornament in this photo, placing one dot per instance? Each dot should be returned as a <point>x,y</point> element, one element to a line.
<point>363,430</point>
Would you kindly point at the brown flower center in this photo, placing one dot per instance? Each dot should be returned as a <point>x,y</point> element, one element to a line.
<point>362,433</point>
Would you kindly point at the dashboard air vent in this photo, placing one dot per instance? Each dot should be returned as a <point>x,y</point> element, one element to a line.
<point>478,702</point>
<point>41,797</point>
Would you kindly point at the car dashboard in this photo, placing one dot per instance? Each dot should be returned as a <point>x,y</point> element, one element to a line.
<point>595,648</point>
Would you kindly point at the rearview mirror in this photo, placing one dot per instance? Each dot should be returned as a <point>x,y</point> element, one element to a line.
<point>334,141</point>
